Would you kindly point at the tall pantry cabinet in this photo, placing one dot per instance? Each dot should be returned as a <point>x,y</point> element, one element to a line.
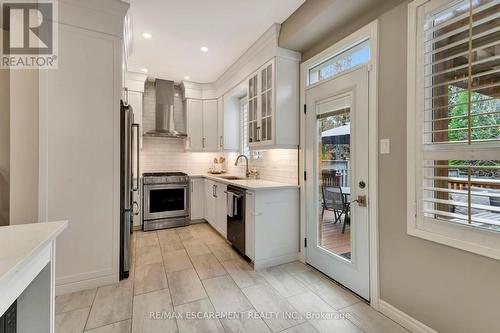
<point>79,105</point>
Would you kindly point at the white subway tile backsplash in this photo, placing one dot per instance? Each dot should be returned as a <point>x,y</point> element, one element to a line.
<point>166,154</point>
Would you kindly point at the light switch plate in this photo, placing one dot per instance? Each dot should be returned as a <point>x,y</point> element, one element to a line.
<point>385,146</point>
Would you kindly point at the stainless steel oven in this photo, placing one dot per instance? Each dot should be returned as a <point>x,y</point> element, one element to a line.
<point>166,200</point>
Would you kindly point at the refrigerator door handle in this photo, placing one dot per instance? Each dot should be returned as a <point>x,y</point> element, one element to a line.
<point>137,143</point>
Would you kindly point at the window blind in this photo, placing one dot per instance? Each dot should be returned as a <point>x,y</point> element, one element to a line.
<point>460,163</point>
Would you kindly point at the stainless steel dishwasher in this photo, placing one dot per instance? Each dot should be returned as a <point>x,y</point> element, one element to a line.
<point>236,218</point>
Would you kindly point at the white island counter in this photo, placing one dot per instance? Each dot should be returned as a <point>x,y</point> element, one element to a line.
<point>27,266</point>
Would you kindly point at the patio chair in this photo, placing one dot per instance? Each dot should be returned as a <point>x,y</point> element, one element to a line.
<point>335,201</point>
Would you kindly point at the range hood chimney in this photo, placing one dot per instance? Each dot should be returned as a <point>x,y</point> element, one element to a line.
<point>165,125</point>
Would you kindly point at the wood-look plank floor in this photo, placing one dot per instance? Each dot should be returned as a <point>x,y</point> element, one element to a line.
<point>193,270</point>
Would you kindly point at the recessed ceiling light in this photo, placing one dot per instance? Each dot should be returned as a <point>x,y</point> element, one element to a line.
<point>187,77</point>
<point>144,70</point>
<point>147,35</point>
<point>204,49</point>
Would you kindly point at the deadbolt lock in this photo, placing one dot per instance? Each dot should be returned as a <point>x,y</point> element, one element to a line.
<point>362,184</point>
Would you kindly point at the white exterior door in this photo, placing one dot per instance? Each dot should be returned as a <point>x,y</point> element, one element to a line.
<point>337,179</point>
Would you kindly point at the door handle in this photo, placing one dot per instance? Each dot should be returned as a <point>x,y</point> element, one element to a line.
<point>221,142</point>
<point>203,143</point>
<point>361,201</point>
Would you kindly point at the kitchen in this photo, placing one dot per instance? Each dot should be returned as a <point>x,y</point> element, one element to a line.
<point>190,141</point>
<point>269,166</point>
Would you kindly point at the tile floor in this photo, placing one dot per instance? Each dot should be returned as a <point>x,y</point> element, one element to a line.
<point>191,271</point>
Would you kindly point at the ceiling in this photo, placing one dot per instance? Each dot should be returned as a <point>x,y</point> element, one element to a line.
<point>180,28</point>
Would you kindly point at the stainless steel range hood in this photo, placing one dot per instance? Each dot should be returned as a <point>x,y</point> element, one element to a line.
<point>165,123</point>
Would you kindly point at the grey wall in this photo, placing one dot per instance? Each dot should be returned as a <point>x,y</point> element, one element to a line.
<point>447,289</point>
<point>4,146</point>
<point>317,24</point>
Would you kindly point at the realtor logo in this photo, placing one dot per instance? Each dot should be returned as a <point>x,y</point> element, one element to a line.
<point>29,34</point>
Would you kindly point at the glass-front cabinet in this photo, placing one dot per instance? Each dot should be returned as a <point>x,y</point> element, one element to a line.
<point>267,104</point>
<point>261,106</point>
<point>273,105</point>
<point>253,118</point>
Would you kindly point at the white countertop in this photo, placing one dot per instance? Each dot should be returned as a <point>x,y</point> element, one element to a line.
<point>248,184</point>
<point>18,243</point>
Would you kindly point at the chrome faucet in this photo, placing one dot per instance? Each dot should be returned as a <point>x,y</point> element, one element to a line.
<point>246,158</point>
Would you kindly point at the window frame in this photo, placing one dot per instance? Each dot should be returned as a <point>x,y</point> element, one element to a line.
<point>468,238</point>
<point>350,45</point>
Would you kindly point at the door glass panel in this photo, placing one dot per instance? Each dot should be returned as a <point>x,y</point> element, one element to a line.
<point>334,175</point>
<point>166,200</point>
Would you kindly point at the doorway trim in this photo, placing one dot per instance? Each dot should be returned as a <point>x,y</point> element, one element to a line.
<point>370,32</point>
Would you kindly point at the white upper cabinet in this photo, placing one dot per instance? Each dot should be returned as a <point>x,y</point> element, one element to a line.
<point>202,125</point>
<point>220,121</point>
<point>273,105</point>
<point>194,124</point>
<point>210,126</point>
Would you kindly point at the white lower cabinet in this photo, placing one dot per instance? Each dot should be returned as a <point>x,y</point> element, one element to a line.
<point>221,208</point>
<point>216,205</point>
<point>210,202</point>
<point>272,226</point>
<point>197,199</point>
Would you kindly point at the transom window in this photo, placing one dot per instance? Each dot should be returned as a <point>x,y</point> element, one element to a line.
<point>456,111</point>
<point>357,55</point>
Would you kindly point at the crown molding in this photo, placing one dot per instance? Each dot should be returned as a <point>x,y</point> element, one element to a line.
<point>263,50</point>
<point>135,81</point>
<point>106,16</point>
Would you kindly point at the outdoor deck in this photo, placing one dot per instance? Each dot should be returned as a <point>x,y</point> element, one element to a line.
<point>333,239</point>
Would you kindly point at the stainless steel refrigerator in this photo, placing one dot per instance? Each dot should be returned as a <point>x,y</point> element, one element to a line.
<point>129,182</point>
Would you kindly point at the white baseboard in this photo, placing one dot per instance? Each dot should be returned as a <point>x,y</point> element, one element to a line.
<point>275,261</point>
<point>403,319</point>
<point>86,284</point>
